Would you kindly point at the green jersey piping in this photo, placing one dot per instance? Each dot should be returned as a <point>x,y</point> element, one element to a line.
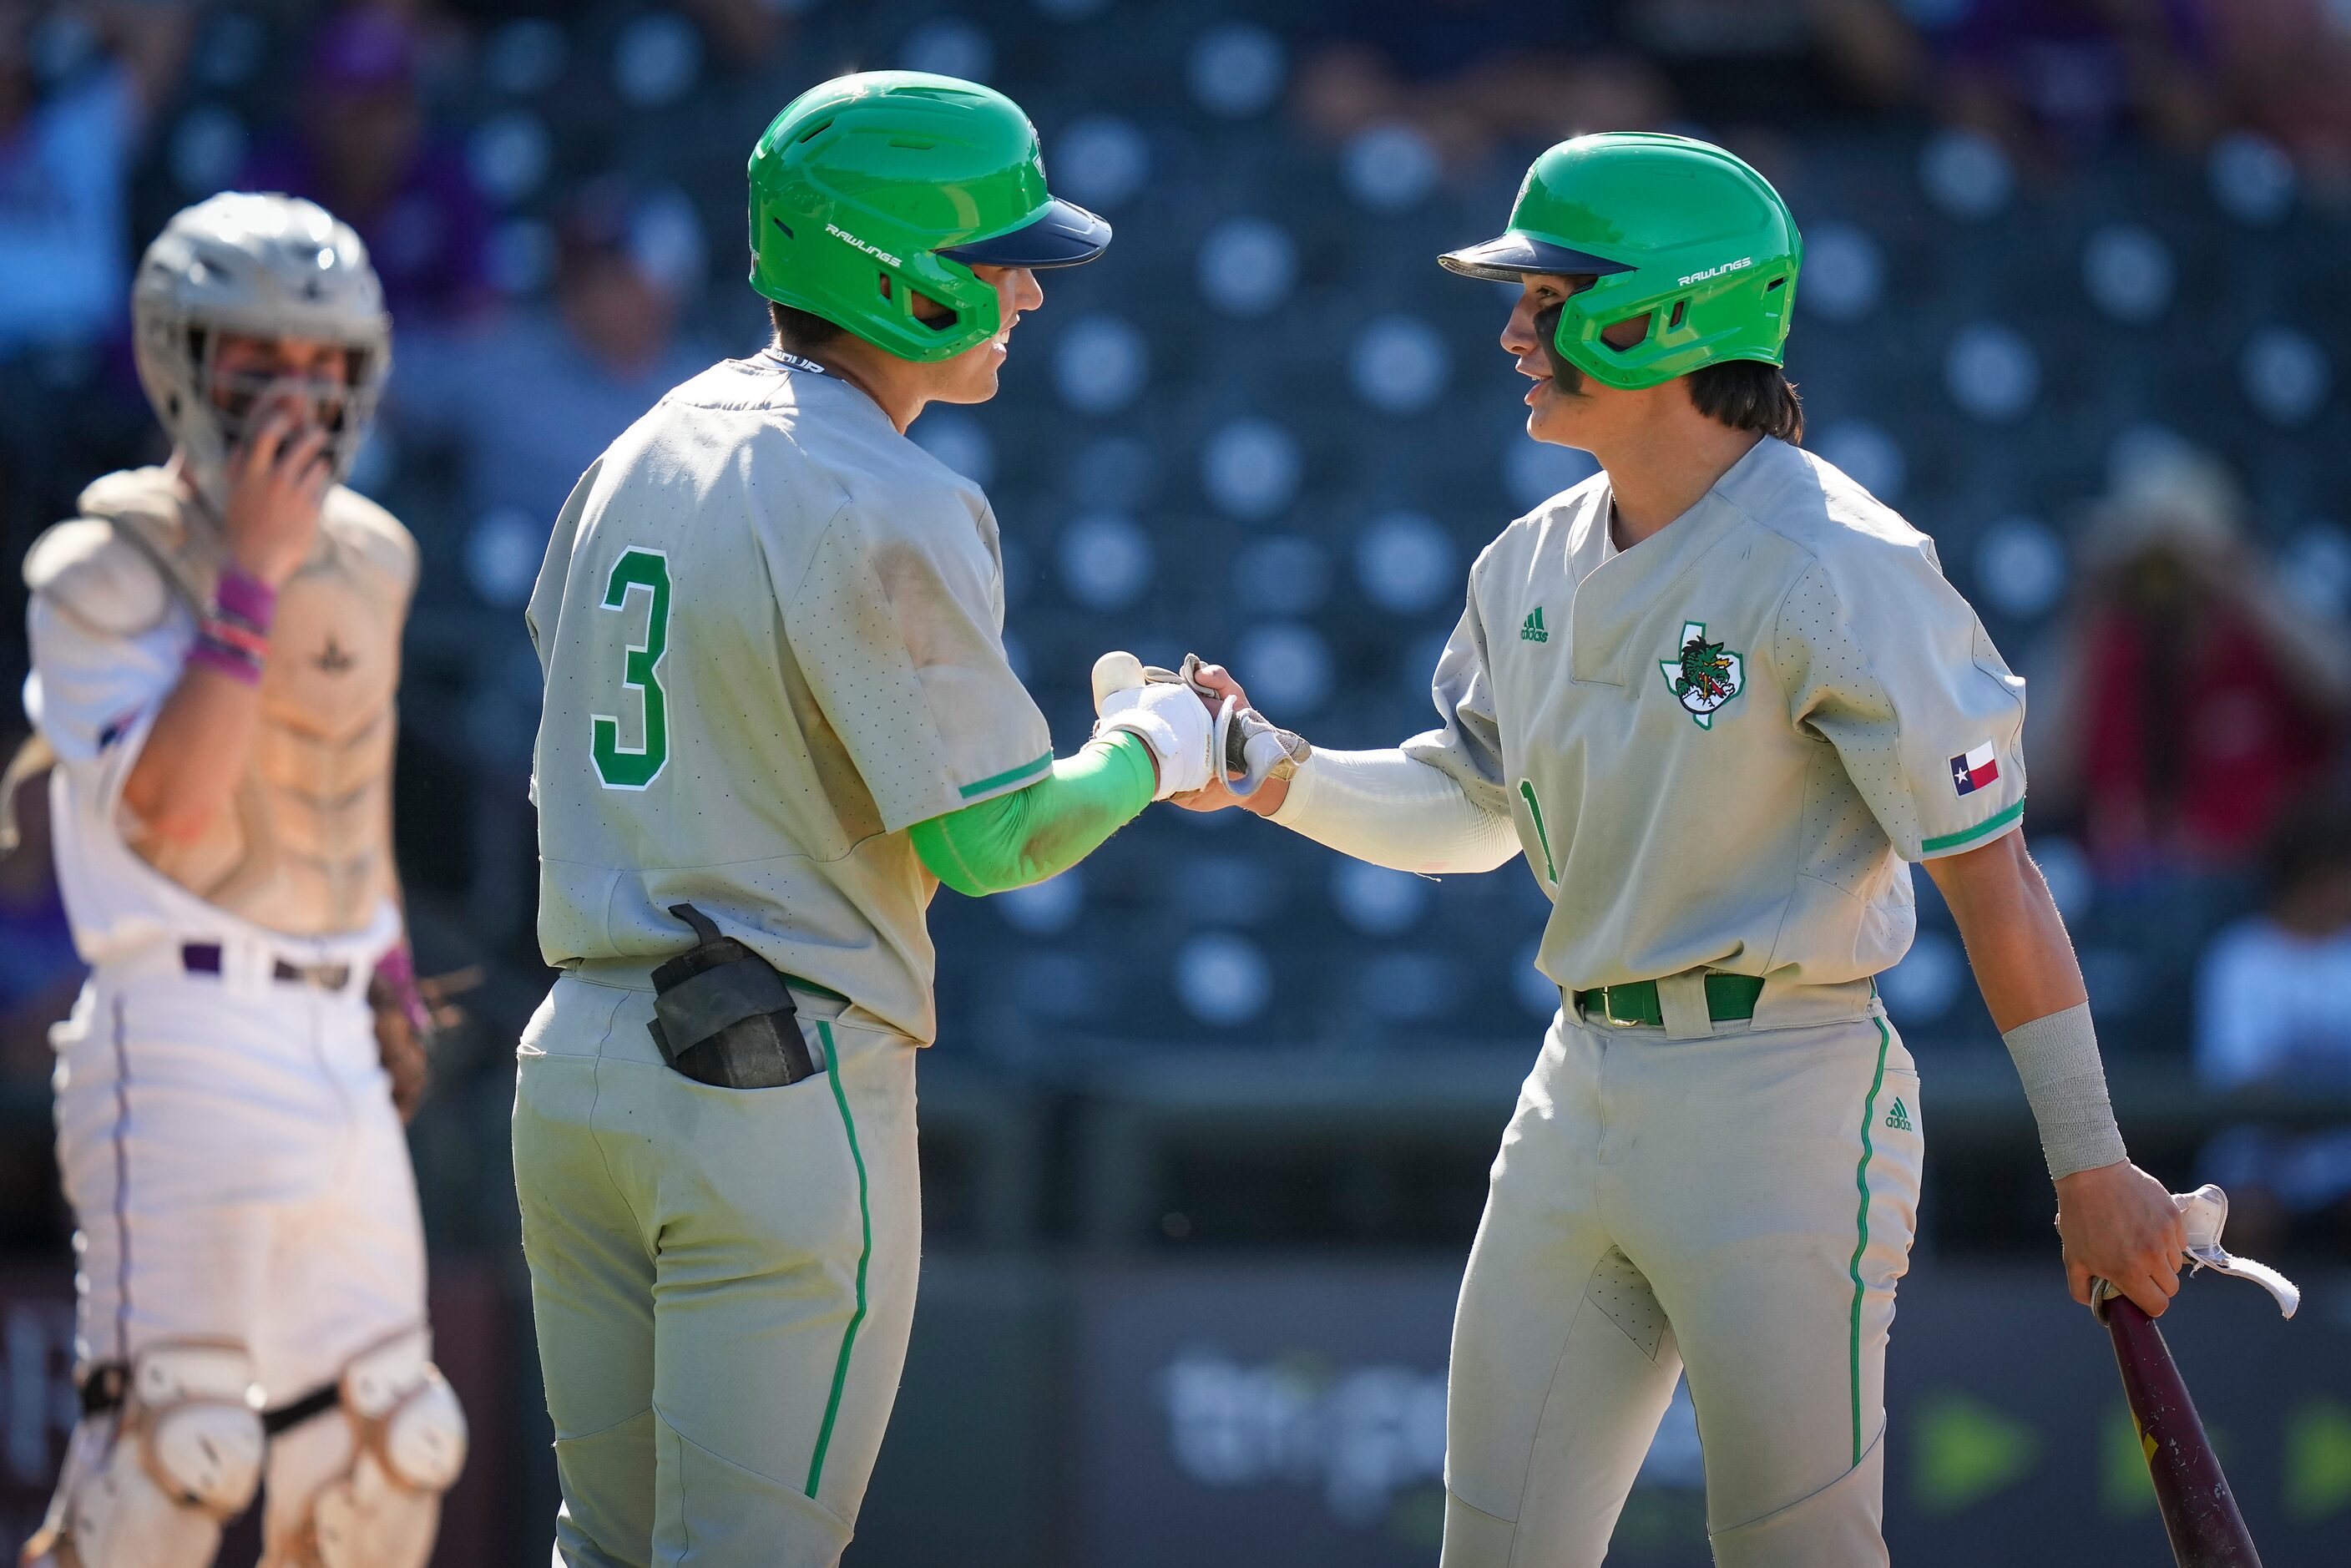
<point>997,781</point>
<point>864,1255</point>
<point>1969,835</point>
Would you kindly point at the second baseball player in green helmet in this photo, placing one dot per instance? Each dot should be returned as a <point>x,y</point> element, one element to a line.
<point>779,713</point>
<point>1721,699</point>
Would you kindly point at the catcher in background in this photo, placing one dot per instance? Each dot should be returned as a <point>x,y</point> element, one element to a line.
<point>216,648</point>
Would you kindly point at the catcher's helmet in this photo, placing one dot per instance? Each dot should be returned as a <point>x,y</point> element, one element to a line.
<point>1675,227</point>
<point>259,267</point>
<point>872,188</point>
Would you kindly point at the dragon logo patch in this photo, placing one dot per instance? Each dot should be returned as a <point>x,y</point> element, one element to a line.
<point>1704,676</point>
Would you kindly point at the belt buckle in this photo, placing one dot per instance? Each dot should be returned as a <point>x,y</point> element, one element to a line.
<point>1609,1010</point>
<point>324,977</point>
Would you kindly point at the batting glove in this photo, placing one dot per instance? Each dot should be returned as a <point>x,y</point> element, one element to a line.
<point>1173,721</point>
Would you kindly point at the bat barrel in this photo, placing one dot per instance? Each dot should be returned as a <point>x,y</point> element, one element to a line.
<point>2200,1514</point>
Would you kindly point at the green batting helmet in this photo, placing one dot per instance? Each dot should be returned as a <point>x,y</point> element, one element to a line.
<point>872,188</point>
<point>1672,228</point>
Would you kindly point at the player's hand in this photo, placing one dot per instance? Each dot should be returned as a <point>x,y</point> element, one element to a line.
<point>1221,685</point>
<point>1170,718</point>
<point>277,478</point>
<point>405,1051</point>
<point>1216,797</point>
<point>2118,1224</point>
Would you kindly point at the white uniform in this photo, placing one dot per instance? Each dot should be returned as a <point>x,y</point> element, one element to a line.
<point>239,1177</point>
<point>772,628</point>
<point>1719,748</point>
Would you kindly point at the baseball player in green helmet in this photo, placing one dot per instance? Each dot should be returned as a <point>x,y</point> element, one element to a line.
<point>1721,699</point>
<point>777,715</point>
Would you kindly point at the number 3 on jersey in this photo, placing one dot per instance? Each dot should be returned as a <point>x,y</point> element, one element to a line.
<point>633,768</point>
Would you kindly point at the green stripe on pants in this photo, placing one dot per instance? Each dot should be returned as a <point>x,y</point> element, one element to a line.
<point>1861,1225</point>
<point>865,1254</point>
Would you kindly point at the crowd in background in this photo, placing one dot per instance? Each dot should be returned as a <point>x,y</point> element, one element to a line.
<point>2071,296</point>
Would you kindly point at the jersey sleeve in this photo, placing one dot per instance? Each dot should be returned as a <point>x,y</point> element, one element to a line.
<point>1467,744</point>
<point>1883,659</point>
<point>899,630</point>
<point>107,642</point>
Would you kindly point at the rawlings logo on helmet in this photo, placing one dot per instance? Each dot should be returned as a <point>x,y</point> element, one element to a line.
<point>875,251</point>
<point>1743,261</point>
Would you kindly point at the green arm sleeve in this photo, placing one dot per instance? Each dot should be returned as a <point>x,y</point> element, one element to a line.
<point>1031,834</point>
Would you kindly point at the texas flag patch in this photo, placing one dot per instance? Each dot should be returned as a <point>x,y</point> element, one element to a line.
<point>1976,769</point>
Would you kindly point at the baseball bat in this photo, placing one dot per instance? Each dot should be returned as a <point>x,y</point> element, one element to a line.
<point>2200,1514</point>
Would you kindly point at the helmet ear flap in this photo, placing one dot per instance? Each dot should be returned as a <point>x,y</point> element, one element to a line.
<point>1628,333</point>
<point>907,302</point>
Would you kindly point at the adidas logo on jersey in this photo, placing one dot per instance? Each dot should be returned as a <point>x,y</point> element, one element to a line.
<point>1533,630</point>
<point>1898,1118</point>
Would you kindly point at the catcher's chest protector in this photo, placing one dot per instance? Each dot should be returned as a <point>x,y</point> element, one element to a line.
<point>306,848</point>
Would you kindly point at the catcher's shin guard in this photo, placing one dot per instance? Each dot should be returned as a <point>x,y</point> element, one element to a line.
<point>154,1471</point>
<point>359,1485</point>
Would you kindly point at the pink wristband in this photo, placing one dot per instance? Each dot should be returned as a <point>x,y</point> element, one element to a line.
<point>240,596</point>
<point>212,654</point>
<point>233,637</point>
<point>397,970</point>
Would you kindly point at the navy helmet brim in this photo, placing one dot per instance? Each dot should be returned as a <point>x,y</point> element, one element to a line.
<point>1063,235</point>
<point>1509,256</point>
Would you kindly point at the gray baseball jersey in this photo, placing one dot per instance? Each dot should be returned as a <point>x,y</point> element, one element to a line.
<point>1723,744</point>
<point>772,632</point>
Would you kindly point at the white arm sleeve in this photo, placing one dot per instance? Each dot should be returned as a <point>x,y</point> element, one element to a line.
<point>1394,810</point>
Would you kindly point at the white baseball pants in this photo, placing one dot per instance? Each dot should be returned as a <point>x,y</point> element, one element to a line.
<point>1738,1205</point>
<point>236,1172</point>
<point>239,1175</point>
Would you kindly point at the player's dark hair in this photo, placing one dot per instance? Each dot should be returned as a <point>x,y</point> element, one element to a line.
<point>801,330</point>
<point>1747,395</point>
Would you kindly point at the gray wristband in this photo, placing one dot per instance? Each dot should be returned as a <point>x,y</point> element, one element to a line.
<point>2057,1058</point>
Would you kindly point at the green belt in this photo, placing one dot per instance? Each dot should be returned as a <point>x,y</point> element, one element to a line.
<point>1728,998</point>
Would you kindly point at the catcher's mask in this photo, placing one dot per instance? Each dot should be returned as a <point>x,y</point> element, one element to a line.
<point>257,267</point>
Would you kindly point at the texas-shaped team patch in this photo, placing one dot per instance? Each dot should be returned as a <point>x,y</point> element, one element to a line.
<point>1704,676</point>
<point>1976,769</point>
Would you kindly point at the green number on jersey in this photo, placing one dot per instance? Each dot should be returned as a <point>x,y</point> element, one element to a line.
<point>620,767</point>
